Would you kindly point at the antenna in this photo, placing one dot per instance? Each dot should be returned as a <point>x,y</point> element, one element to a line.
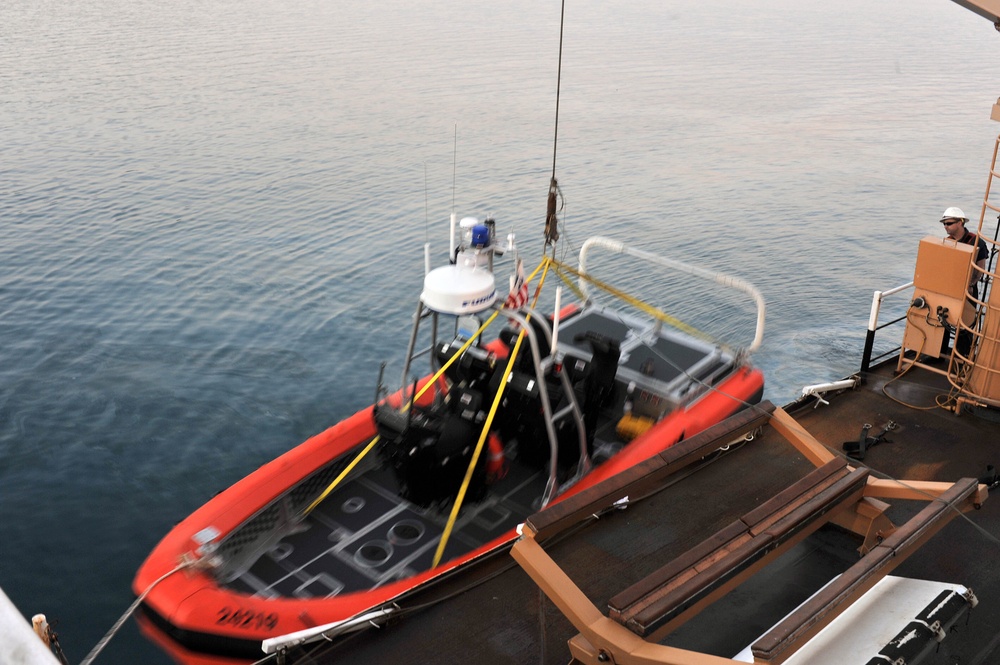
<point>454,166</point>
<point>427,226</point>
<point>454,169</point>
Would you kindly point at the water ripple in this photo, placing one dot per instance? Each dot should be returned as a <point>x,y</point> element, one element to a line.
<point>214,214</point>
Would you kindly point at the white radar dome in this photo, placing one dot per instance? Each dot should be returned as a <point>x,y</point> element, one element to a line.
<point>459,290</point>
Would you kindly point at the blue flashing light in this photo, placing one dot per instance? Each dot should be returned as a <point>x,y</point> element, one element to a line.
<point>480,236</point>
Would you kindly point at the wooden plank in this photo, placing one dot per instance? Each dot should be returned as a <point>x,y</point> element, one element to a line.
<point>785,501</point>
<point>913,490</point>
<point>675,569</point>
<point>845,491</point>
<point>641,477</point>
<point>722,559</point>
<point>663,606</point>
<point>795,630</point>
<point>781,504</point>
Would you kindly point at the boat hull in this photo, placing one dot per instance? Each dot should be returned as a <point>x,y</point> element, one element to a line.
<point>198,612</point>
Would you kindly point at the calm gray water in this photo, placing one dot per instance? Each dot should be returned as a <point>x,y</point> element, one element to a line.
<point>212,214</point>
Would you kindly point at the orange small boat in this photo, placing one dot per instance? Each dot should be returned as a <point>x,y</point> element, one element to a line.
<point>334,536</point>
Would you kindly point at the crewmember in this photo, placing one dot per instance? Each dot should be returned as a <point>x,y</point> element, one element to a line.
<point>954,221</point>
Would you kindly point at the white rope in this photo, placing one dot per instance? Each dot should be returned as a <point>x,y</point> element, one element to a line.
<point>132,608</point>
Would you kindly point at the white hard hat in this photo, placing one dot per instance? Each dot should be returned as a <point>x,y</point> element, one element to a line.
<point>954,213</point>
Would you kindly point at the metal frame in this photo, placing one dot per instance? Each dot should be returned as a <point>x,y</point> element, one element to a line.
<point>603,640</point>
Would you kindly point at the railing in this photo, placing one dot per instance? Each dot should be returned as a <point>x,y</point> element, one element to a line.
<point>721,279</point>
<point>873,325</point>
<point>974,373</point>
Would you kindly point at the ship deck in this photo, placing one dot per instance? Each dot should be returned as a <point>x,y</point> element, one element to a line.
<point>498,615</point>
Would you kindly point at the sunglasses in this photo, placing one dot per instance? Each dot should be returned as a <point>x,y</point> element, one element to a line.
<point>952,222</point>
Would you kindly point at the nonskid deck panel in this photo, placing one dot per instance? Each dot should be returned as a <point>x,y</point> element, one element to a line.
<point>365,536</point>
<point>660,355</point>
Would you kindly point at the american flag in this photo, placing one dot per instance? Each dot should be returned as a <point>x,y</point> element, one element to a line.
<point>518,289</point>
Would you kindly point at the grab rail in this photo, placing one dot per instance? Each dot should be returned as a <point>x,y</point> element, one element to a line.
<point>873,326</point>
<point>719,278</point>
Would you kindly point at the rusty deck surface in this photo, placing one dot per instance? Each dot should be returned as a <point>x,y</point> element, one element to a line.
<point>498,615</point>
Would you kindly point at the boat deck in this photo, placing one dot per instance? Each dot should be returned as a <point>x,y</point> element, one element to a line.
<point>503,617</point>
<point>365,535</point>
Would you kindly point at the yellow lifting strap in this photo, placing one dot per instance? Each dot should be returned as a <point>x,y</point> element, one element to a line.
<point>655,312</point>
<point>371,444</point>
<point>573,286</point>
<point>460,497</point>
<point>475,455</point>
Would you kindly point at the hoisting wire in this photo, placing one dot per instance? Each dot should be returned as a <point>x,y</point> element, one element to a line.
<point>555,137</point>
<point>187,563</point>
<point>551,223</point>
<point>371,444</point>
<point>484,434</point>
